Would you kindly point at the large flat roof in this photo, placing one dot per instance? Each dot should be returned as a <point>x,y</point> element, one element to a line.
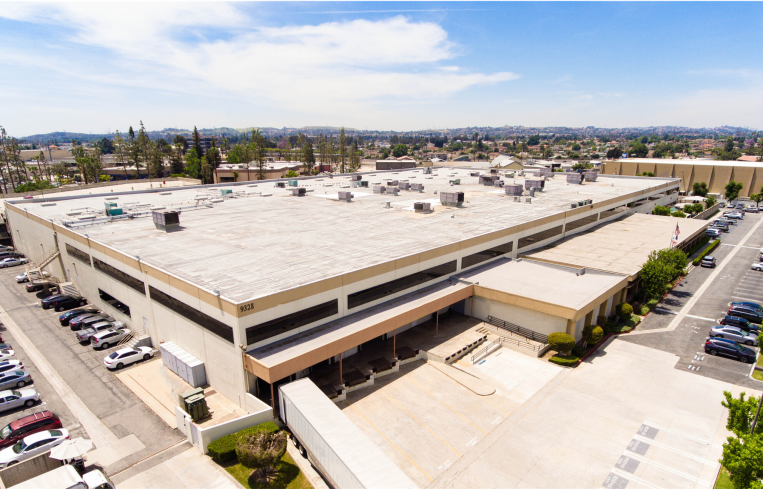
<point>622,246</point>
<point>252,246</point>
<point>690,161</point>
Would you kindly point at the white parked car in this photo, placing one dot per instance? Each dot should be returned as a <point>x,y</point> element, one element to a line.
<point>31,446</point>
<point>734,333</point>
<point>18,397</point>
<point>25,278</point>
<point>7,355</point>
<point>757,266</point>
<point>108,337</point>
<point>12,262</point>
<point>126,356</point>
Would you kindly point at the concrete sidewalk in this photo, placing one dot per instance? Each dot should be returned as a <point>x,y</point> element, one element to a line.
<point>188,470</point>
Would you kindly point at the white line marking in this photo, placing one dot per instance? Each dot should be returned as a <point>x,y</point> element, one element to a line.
<point>631,477</point>
<point>744,298</point>
<point>705,285</point>
<point>660,309</point>
<point>674,432</point>
<point>692,478</point>
<point>700,317</point>
<point>750,247</point>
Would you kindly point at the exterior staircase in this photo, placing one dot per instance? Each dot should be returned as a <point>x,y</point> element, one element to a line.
<point>34,268</point>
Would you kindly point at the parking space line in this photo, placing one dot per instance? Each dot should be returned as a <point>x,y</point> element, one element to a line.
<point>689,437</point>
<point>744,298</point>
<point>750,247</point>
<point>388,440</point>
<point>447,406</point>
<point>629,476</point>
<point>667,468</point>
<point>674,450</point>
<point>700,317</point>
<point>417,420</point>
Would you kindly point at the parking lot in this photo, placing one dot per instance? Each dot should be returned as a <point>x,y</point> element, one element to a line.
<point>81,368</point>
<point>734,282</point>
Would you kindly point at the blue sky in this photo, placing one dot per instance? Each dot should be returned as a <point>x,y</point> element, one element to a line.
<point>381,65</point>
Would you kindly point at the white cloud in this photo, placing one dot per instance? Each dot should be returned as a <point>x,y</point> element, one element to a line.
<point>323,69</point>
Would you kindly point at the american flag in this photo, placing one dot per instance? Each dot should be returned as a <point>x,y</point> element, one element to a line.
<point>674,238</point>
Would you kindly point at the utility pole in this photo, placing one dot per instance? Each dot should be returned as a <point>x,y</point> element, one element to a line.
<point>755,420</point>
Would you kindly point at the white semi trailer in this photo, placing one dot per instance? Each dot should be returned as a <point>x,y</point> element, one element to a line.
<point>343,454</point>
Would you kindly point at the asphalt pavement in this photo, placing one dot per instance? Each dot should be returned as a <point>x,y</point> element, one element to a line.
<point>735,282</point>
<point>81,367</point>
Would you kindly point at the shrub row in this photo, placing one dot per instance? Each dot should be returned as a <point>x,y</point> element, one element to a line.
<point>224,449</point>
<point>710,248</point>
<point>702,242</point>
<point>568,361</point>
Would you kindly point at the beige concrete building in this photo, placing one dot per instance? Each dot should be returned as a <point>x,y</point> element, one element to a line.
<point>262,285</point>
<point>716,174</point>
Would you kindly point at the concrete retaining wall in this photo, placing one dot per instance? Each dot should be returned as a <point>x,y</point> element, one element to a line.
<point>708,212</point>
<point>21,472</point>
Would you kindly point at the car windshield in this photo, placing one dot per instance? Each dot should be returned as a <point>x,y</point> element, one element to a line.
<point>114,355</point>
<point>743,332</point>
<point>5,432</point>
<point>16,393</point>
<point>19,447</point>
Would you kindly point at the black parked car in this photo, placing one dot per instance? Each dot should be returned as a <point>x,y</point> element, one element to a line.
<point>751,315</point>
<point>729,348</point>
<point>63,302</point>
<point>740,323</point>
<point>68,316</point>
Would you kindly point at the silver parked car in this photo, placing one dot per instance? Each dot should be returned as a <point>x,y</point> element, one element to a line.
<point>16,398</point>
<point>14,378</point>
<point>109,337</point>
<point>85,333</point>
<point>734,333</point>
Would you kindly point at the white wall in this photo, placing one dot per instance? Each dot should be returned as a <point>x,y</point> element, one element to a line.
<point>533,320</point>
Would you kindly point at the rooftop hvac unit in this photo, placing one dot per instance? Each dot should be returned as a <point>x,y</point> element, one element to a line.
<point>517,198</point>
<point>346,196</point>
<point>355,178</point>
<point>404,186</point>
<point>575,178</point>
<point>536,184</point>
<point>392,190</point>
<point>166,220</point>
<point>499,183</point>
<point>364,183</point>
<point>281,184</point>
<point>379,189</point>
<point>299,192</point>
<point>573,205</point>
<point>489,180</point>
<point>529,200</point>
<point>293,183</point>
<point>418,187</point>
<point>590,176</point>
<point>427,170</point>
<point>226,191</point>
<point>422,206</point>
<point>493,170</point>
<point>456,181</point>
<point>392,183</point>
<point>452,198</point>
<point>474,174</point>
<point>513,189</point>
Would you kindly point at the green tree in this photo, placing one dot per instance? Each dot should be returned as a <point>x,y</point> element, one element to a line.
<point>342,150</point>
<point>180,143</point>
<point>10,153</point>
<point>258,152</point>
<point>155,164</point>
<point>699,189</point>
<point>399,150</point>
<point>756,197</point>
<point>638,149</point>
<point>534,140</point>
<point>120,151</point>
<point>592,334</point>
<point>261,452</point>
<point>143,149</point>
<point>743,452</point>
<point>197,143</point>
<point>210,163</point>
<point>561,342</point>
<point>193,164</point>
<point>176,161</point>
<point>709,202</point>
<point>732,190</point>
<point>308,157</point>
<point>661,210</point>
<point>576,147</point>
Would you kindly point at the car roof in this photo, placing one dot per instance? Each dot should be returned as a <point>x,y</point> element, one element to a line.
<point>105,331</point>
<point>709,258</point>
<point>42,435</point>
<point>736,318</point>
<point>12,371</point>
<point>125,350</point>
<point>725,340</point>
<point>31,418</point>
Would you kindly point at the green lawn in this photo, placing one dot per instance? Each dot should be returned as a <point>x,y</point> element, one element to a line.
<point>289,476</point>
<point>757,375</point>
<point>723,481</point>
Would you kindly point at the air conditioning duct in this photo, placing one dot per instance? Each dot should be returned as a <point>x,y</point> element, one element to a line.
<point>346,196</point>
<point>166,220</point>
<point>379,189</point>
<point>422,207</point>
<point>452,198</point>
<point>299,192</point>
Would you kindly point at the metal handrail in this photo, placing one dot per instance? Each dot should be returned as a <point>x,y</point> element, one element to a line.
<point>484,350</point>
<point>514,328</point>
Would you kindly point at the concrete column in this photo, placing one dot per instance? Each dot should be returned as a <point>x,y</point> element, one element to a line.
<point>602,309</point>
<point>571,327</point>
<point>623,294</point>
<point>588,319</point>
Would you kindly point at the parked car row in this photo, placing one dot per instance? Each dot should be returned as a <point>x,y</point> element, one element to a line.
<point>30,436</point>
<point>741,326</point>
<point>62,302</point>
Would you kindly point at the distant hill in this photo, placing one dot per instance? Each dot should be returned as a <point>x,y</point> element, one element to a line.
<point>502,131</point>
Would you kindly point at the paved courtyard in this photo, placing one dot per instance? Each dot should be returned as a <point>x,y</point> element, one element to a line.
<point>625,418</point>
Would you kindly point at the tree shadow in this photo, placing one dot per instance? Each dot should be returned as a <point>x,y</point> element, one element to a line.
<point>287,472</point>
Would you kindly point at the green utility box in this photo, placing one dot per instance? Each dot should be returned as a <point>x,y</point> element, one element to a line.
<point>194,403</point>
<point>457,181</point>
<point>115,211</point>
<point>293,183</point>
<point>226,191</point>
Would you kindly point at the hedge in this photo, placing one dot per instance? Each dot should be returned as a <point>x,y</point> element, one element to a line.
<point>702,242</point>
<point>710,248</point>
<point>568,361</point>
<point>224,449</point>
<point>561,342</point>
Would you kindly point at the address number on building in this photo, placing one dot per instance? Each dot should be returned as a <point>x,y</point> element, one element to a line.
<point>247,307</point>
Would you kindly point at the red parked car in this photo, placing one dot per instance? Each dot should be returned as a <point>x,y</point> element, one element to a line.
<point>28,425</point>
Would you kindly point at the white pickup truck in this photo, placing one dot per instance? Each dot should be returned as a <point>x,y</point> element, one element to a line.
<point>67,477</point>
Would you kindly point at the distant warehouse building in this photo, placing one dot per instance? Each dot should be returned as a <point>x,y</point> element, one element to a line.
<point>395,164</point>
<point>264,283</point>
<point>716,174</point>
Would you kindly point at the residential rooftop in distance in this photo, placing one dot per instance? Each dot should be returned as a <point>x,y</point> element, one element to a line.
<point>251,245</point>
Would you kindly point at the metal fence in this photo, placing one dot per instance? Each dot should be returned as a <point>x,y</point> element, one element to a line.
<point>513,328</point>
